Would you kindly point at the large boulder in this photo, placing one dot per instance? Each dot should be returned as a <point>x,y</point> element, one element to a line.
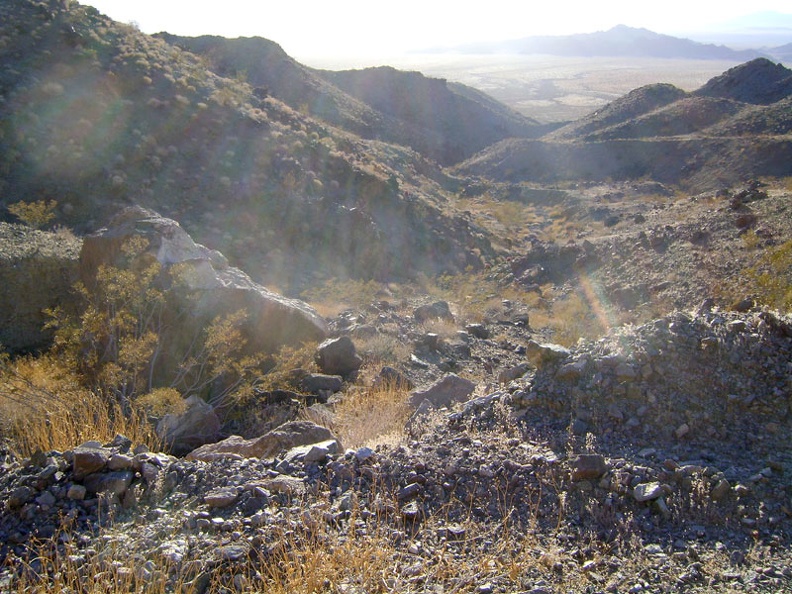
<point>207,286</point>
<point>271,444</point>
<point>184,432</point>
<point>444,393</point>
<point>338,356</point>
<point>37,271</point>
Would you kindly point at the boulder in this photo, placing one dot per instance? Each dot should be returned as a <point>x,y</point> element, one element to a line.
<point>206,288</point>
<point>196,426</point>
<point>37,271</point>
<point>314,383</point>
<point>588,467</point>
<point>88,458</point>
<point>544,354</point>
<point>444,393</point>
<point>435,311</point>
<point>287,436</point>
<point>338,356</point>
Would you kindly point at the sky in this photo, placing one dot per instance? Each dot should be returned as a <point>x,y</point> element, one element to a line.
<point>323,28</point>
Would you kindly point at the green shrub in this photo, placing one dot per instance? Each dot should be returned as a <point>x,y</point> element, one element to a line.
<point>34,214</point>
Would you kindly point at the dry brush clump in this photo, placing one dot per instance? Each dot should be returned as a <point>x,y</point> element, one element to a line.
<point>44,406</point>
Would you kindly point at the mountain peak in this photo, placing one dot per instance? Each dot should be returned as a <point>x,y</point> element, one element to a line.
<point>759,81</point>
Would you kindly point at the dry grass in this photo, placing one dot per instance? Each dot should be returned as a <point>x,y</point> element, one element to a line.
<point>383,349</point>
<point>43,407</point>
<point>372,415</point>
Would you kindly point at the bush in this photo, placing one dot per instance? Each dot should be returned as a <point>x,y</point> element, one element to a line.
<point>34,214</point>
<point>773,277</point>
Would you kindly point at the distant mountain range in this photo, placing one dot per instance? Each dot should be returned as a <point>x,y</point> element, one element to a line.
<point>620,41</point>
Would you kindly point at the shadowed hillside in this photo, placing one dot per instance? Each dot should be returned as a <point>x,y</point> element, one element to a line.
<point>97,116</point>
<point>734,127</point>
<point>443,121</point>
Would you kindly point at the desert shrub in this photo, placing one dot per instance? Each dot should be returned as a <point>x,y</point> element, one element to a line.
<point>773,277</point>
<point>36,214</point>
<point>161,401</point>
<point>384,349</point>
<point>281,366</point>
<point>115,340</point>
<point>570,318</point>
<point>44,406</point>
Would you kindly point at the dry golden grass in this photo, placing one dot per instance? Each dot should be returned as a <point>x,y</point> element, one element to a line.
<point>372,415</point>
<point>43,407</point>
<point>383,349</point>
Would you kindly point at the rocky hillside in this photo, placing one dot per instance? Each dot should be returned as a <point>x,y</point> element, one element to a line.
<point>99,116</point>
<point>443,121</point>
<point>652,460</point>
<point>735,126</point>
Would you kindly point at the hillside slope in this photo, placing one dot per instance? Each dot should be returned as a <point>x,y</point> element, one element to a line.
<point>442,121</point>
<point>734,127</point>
<point>97,115</point>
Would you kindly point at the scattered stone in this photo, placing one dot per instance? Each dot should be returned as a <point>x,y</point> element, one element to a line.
<point>647,491</point>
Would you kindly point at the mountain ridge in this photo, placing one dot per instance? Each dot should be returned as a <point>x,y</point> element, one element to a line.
<point>620,40</point>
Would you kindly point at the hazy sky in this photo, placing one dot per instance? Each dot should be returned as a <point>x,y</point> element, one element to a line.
<point>314,28</point>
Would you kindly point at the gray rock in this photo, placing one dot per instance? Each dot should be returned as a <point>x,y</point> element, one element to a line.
<point>435,311</point>
<point>76,492</point>
<point>221,497</point>
<point>393,377</point>
<point>111,483</point>
<point>315,452</point>
<point>543,354</point>
<point>196,426</point>
<point>338,356</point>
<point>444,393</point>
<point>269,445</point>
<point>477,331</point>
<point>720,490</point>
<point>120,462</point>
<point>571,371</point>
<point>314,383</point>
<point>647,491</point>
<point>507,375</point>
<point>208,288</point>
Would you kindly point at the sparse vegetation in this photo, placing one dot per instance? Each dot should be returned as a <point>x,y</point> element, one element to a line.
<point>37,214</point>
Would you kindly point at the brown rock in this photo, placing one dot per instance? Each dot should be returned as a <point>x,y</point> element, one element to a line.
<point>588,467</point>
<point>194,427</point>
<point>89,457</point>
<point>281,439</point>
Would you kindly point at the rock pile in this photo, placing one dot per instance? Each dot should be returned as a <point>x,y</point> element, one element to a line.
<point>688,490</point>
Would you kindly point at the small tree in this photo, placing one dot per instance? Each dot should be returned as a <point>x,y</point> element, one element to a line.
<point>34,214</point>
